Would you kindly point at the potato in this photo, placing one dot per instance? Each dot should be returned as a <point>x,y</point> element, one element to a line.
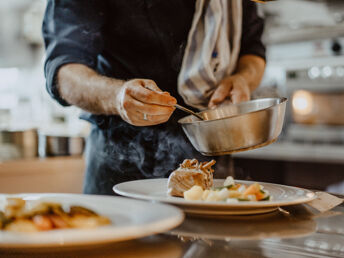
<point>234,194</point>
<point>213,196</point>
<point>229,181</point>
<point>194,193</point>
<point>84,221</point>
<point>251,197</point>
<point>232,200</point>
<point>22,225</point>
<point>205,194</point>
<point>223,194</point>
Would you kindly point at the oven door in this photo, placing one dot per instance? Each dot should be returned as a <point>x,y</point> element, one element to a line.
<point>326,108</point>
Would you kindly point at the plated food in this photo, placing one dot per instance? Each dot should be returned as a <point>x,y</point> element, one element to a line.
<point>190,173</point>
<point>193,180</point>
<point>20,216</point>
<point>130,219</point>
<point>156,190</point>
<point>230,192</point>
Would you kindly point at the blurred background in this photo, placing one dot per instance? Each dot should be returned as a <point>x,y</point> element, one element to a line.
<point>305,62</point>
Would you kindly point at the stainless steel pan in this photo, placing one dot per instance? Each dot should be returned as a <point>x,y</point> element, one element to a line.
<point>235,128</point>
<point>60,145</point>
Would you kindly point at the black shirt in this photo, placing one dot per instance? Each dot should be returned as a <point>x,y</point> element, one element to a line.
<point>128,39</point>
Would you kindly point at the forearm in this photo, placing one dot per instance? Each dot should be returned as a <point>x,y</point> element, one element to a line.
<point>83,87</point>
<point>139,102</point>
<point>252,68</point>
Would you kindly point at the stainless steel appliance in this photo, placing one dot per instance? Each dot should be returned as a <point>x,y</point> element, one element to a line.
<point>60,145</point>
<point>314,84</point>
<point>316,91</point>
<point>18,143</point>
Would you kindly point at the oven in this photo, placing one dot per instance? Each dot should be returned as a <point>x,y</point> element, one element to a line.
<point>311,75</point>
<point>316,108</point>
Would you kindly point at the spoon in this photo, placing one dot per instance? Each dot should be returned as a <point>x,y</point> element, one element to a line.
<point>189,111</point>
<point>182,108</point>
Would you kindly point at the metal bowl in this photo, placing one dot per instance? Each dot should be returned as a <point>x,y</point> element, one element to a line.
<point>60,145</point>
<point>18,143</point>
<point>234,128</point>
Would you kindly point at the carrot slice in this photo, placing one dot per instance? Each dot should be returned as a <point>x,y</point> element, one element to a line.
<point>260,196</point>
<point>58,221</point>
<point>42,222</point>
<point>252,189</point>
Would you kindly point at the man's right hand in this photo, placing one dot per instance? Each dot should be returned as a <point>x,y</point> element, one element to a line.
<point>141,103</point>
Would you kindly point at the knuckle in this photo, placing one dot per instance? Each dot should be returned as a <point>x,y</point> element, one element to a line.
<point>215,98</point>
<point>160,99</point>
<point>126,104</point>
<point>135,81</point>
<point>127,90</point>
<point>152,83</point>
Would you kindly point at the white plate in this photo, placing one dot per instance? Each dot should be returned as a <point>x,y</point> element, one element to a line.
<point>130,219</point>
<point>156,189</point>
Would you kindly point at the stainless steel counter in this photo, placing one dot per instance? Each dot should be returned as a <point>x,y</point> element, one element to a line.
<point>291,151</point>
<point>296,231</point>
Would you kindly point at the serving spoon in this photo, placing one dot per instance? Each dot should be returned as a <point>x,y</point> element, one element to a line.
<point>189,111</point>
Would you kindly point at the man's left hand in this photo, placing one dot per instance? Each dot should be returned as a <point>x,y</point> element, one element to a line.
<point>234,87</point>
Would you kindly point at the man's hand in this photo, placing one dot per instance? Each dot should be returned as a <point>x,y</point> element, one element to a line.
<point>235,88</point>
<point>238,87</point>
<point>140,102</point>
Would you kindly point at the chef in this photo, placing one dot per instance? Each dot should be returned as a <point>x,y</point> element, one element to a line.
<point>126,63</point>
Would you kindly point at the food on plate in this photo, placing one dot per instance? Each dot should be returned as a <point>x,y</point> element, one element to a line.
<point>230,192</point>
<point>190,173</point>
<point>193,180</point>
<point>19,216</point>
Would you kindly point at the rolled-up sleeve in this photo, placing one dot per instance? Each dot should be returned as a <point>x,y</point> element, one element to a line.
<point>252,30</point>
<point>72,34</point>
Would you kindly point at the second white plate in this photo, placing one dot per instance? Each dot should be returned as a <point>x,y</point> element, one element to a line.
<point>156,190</point>
<point>130,219</point>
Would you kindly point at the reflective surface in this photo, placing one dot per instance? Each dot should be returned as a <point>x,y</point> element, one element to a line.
<point>235,128</point>
<point>297,231</point>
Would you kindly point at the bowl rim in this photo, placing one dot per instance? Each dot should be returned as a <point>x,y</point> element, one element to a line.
<point>282,100</point>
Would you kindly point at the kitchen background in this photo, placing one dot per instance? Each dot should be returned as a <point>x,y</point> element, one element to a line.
<point>305,62</point>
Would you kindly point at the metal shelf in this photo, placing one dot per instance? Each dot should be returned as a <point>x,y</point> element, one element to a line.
<point>290,151</point>
<point>279,35</point>
<point>305,63</point>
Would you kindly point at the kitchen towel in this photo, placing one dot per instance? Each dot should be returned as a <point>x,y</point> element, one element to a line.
<point>212,49</point>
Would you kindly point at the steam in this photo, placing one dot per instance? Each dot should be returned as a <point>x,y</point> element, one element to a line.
<point>154,151</point>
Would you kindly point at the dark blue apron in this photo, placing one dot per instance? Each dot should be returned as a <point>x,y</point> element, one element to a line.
<point>120,152</point>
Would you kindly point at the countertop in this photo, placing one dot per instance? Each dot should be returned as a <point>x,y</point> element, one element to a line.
<point>295,231</point>
<point>46,175</point>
